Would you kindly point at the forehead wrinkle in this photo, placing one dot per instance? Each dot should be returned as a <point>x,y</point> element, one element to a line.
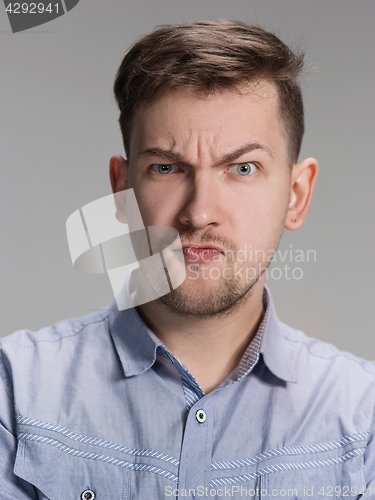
<point>200,140</point>
<point>196,143</point>
<point>169,155</point>
<point>191,148</point>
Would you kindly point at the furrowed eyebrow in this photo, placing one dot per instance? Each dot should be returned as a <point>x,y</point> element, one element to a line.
<point>246,149</point>
<point>175,157</point>
<point>162,153</point>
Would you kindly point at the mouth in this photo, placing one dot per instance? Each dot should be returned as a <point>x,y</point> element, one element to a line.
<point>201,253</point>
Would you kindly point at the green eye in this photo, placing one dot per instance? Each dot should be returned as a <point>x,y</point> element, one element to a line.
<point>161,168</point>
<point>247,168</point>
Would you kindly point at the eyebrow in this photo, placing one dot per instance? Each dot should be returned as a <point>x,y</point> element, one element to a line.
<point>176,157</point>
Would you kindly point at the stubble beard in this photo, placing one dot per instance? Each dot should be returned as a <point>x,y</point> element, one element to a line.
<point>218,297</point>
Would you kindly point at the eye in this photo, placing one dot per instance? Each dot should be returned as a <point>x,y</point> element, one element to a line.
<point>161,168</point>
<point>247,168</point>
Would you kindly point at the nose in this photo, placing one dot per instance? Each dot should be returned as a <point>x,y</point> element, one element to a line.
<point>203,206</point>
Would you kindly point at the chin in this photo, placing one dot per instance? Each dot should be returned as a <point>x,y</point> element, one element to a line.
<point>206,298</point>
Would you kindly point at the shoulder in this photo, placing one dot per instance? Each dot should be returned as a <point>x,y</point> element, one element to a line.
<point>314,353</point>
<point>329,385</point>
<point>25,353</point>
<point>53,334</point>
<point>46,365</point>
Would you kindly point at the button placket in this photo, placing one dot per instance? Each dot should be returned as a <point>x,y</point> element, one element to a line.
<point>196,450</point>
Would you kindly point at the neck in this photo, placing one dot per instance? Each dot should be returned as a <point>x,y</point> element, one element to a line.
<point>211,348</point>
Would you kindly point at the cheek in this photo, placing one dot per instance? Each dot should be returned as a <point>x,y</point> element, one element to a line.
<point>149,207</point>
<point>261,215</point>
<point>153,205</point>
<point>144,199</point>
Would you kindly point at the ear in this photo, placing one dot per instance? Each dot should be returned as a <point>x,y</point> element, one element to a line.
<point>118,173</point>
<point>303,178</point>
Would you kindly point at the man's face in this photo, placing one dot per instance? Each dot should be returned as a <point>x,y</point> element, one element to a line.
<point>216,169</point>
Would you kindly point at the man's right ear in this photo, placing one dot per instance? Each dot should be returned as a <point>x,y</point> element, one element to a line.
<point>118,173</point>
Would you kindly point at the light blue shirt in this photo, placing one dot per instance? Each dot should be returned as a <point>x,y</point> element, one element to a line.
<point>97,408</point>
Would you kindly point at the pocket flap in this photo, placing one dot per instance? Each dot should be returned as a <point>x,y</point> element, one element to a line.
<point>339,477</point>
<point>59,472</point>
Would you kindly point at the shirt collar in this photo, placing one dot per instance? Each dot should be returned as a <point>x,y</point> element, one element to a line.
<point>275,349</point>
<point>137,345</point>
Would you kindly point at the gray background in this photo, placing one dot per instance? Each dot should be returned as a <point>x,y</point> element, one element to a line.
<point>58,129</point>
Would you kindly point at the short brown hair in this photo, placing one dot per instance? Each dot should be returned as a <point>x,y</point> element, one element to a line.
<point>210,56</point>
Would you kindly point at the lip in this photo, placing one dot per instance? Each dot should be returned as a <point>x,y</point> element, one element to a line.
<point>200,253</point>
<point>204,247</point>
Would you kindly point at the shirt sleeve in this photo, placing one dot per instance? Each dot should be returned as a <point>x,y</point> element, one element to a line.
<point>11,486</point>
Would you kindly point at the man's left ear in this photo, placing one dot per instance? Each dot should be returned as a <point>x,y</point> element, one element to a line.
<point>303,178</point>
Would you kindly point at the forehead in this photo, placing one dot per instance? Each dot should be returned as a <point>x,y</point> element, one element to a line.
<point>210,125</point>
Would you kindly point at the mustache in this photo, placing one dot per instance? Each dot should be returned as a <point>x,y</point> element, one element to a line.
<point>187,236</point>
<point>207,236</point>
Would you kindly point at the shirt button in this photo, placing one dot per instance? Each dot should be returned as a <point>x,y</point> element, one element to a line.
<point>88,495</point>
<point>201,416</point>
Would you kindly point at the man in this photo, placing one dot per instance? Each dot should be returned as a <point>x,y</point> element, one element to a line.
<point>201,393</point>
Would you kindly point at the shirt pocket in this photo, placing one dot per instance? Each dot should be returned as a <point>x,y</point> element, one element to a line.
<point>330,478</point>
<point>60,473</point>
